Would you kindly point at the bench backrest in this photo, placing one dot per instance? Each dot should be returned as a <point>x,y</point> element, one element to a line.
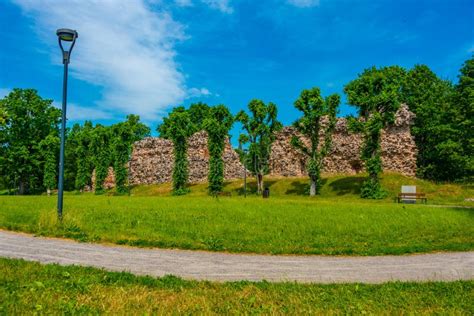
<point>411,195</point>
<point>408,189</point>
<point>406,196</point>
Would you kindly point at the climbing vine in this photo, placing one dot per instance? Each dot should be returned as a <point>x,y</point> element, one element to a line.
<point>100,147</point>
<point>124,134</point>
<point>217,125</point>
<point>178,127</point>
<point>49,148</point>
<point>84,160</point>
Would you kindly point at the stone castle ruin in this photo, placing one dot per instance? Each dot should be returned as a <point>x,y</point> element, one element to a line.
<point>152,158</point>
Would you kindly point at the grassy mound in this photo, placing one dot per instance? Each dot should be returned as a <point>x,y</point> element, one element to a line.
<point>334,187</point>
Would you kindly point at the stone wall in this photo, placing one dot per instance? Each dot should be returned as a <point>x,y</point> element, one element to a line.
<point>152,158</point>
<point>398,150</point>
<point>109,181</point>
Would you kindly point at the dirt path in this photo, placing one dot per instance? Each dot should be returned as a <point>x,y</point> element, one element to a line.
<point>229,267</point>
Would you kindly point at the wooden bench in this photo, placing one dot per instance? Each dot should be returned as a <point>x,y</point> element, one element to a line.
<point>411,196</point>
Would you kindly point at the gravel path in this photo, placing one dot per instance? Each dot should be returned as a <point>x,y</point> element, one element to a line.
<point>229,267</point>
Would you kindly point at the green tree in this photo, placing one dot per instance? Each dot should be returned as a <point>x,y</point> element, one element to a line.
<point>178,127</point>
<point>376,94</point>
<point>437,135</point>
<point>70,157</point>
<point>27,119</point>
<point>217,125</point>
<point>198,113</point>
<point>465,123</point>
<point>260,130</point>
<point>319,118</point>
<point>49,148</point>
<point>84,156</point>
<point>3,137</point>
<point>100,149</point>
<point>124,134</point>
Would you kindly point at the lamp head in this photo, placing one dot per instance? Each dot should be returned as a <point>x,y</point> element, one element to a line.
<point>67,35</point>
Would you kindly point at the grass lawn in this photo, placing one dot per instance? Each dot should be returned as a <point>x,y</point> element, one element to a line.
<point>335,188</point>
<point>27,287</point>
<point>338,222</point>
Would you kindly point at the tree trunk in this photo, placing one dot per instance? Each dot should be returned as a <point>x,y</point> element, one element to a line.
<point>259,183</point>
<point>314,175</point>
<point>48,191</point>
<point>312,188</point>
<point>22,188</point>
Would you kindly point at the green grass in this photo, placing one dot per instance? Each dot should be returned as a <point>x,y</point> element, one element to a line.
<point>29,288</point>
<point>334,187</point>
<point>333,224</point>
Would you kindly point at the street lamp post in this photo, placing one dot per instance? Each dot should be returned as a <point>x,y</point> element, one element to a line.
<point>64,35</point>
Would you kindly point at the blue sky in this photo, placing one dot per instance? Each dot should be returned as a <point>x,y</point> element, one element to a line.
<point>146,56</point>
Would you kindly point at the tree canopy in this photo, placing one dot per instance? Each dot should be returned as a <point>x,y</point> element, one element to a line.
<point>29,136</point>
<point>198,113</point>
<point>27,120</point>
<point>259,127</point>
<point>431,99</point>
<point>376,94</point>
<point>465,99</point>
<point>314,111</point>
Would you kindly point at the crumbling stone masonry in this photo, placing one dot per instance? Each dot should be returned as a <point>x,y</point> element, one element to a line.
<point>152,158</point>
<point>109,181</point>
<point>398,150</point>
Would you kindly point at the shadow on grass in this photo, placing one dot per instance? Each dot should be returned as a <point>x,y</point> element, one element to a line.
<point>251,186</point>
<point>298,188</point>
<point>302,187</point>
<point>348,185</point>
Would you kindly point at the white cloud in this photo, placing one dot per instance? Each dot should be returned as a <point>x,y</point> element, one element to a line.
<point>4,92</point>
<point>77,112</point>
<point>80,113</point>
<point>304,3</point>
<point>123,47</point>
<point>195,92</point>
<point>221,5</point>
